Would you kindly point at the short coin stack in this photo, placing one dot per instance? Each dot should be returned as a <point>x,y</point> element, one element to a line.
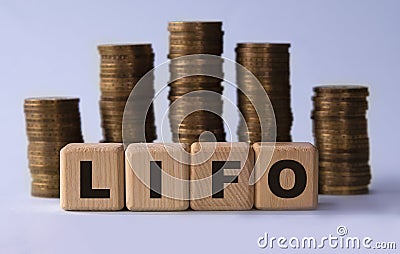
<point>51,123</point>
<point>269,62</point>
<point>122,66</point>
<point>188,120</point>
<point>340,132</point>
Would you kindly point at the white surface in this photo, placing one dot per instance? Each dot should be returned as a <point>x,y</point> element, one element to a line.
<point>34,225</point>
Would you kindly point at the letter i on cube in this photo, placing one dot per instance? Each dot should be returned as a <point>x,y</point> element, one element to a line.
<point>157,177</point>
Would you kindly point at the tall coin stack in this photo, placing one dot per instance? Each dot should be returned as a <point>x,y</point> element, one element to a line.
<point>122,66</point>
<point>269,62</point>
<point>51,123</point>
<point>340,132</point>
<point>188,120</point>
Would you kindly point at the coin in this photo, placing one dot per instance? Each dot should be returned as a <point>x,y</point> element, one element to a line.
<point>130,49</point>
<point>343,190</point>
<point>51,123</point>
<point>187,117</point>
<point>340,133</point>
<point>121,67</point>
<point>49,101</point>
<point>269,64</point>
<point>342,89</point>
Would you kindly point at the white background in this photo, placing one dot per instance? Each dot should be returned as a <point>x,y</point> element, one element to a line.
<point>49,48</point>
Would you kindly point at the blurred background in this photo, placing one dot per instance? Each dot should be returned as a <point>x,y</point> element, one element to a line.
<point>49,48</point>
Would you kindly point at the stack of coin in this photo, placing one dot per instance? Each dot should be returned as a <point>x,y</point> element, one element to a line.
<point>340,132</point>
<point>122,66</point>
<point>51,123</point>
<point>269,62</point>
<point>189,95</point>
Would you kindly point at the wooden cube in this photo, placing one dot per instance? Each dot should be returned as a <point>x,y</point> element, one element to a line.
<point>290,180</point>
<point>92,177</point>
<point>219,176</point>
<point>157,177</point>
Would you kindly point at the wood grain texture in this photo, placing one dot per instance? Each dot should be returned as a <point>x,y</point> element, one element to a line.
<point>175,193</point>
<point>304,153</point>
<point>107,173</point>
<point>236,196</point>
